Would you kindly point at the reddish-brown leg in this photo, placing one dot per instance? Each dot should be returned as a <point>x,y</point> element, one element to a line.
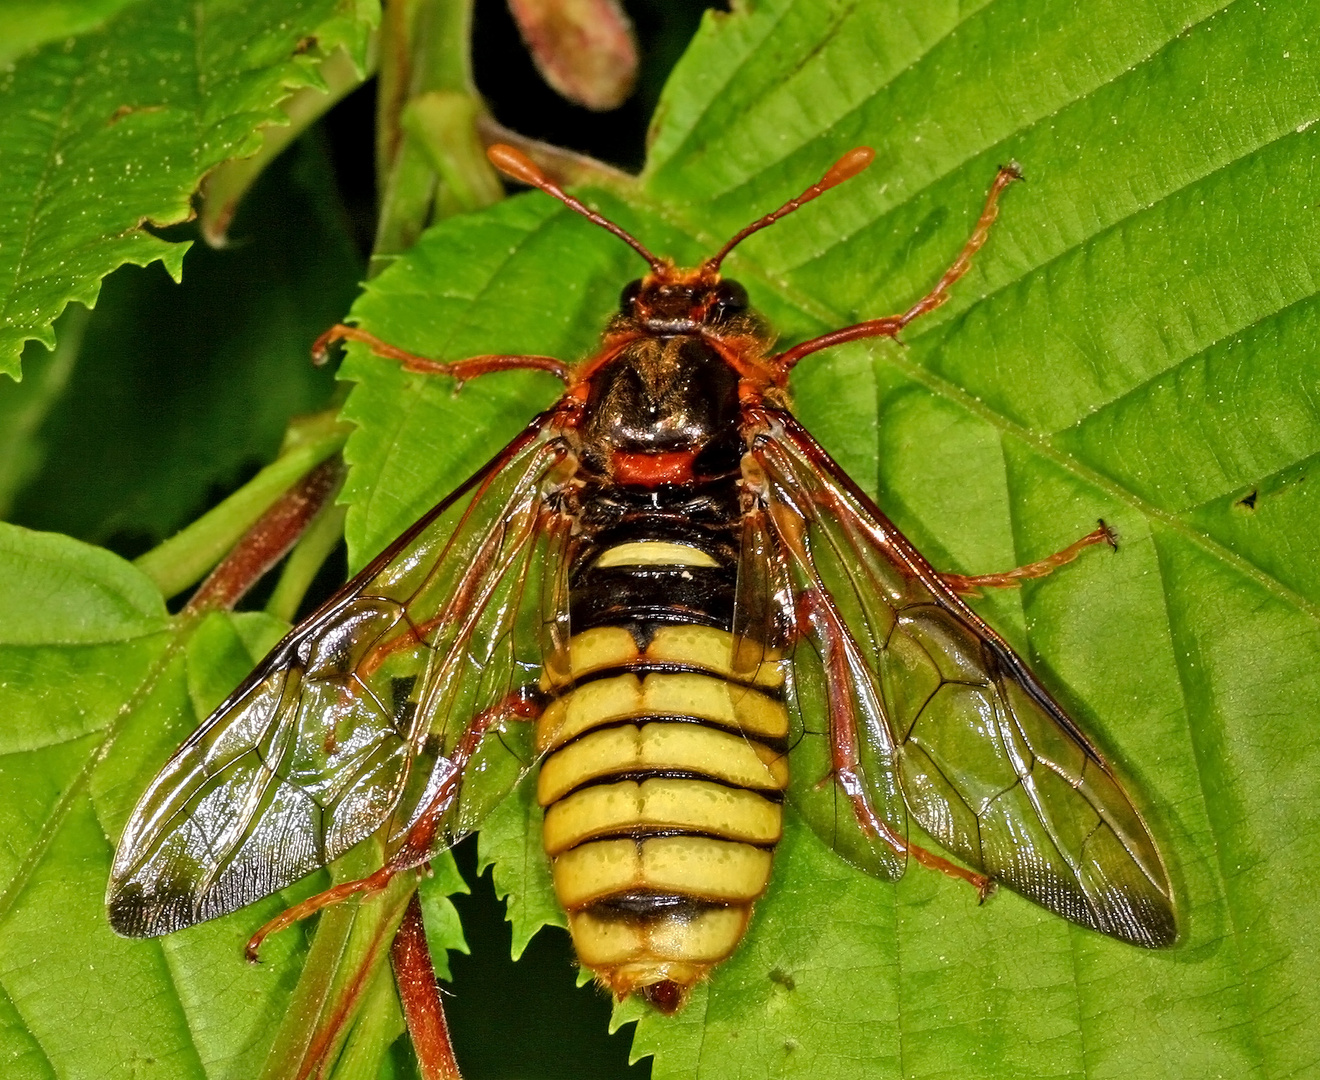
<point>968,584</point>
<point>814,612</point>
<point>461,370</point>
<point>418,844</point>
<point>422,1008</point>
<point>890,325</point>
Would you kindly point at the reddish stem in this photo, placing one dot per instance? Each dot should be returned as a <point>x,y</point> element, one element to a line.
<point>269,539</point>
<point>425,1012</point>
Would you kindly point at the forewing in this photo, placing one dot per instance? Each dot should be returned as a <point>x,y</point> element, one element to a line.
<point>346,723</point>
<point>985,759</point>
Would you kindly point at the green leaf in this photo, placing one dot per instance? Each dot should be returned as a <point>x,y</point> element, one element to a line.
<point>25,24</point>
<point>97,682</point>
<point>115,128</point>
<point>179,389</point>
<point>511,842</point>
<point>1133,343</point>
<point>443,929</point>
<point>58,590</point>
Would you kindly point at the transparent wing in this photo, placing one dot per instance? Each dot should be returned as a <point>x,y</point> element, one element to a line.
<point>834,696</point>
<point>983,757</point>
<point>347,724</point>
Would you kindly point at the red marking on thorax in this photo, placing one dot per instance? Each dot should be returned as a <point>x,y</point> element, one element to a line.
<point>652,470</point>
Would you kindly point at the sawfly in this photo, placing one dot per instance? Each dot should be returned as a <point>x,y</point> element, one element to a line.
<point>670,598</point>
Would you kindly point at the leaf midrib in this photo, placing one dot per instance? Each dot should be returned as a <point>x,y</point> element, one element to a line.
<point>1180,666</point>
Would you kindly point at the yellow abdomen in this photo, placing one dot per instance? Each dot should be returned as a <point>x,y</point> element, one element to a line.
<point>662,785</point>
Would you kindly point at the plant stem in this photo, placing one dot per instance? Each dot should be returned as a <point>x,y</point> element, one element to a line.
<point>347,953</point>
<point>429,157</point>
<point>269,539</point>
<point>376,919</point>
<point>324,957</point>
<point>377,1026</point>
<point>424,47</point>
<point>420,994</point>
<point>320,539</point>
<point>564,167</point>
<point>443,124</point>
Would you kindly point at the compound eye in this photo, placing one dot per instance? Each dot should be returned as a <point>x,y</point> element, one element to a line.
<point>729,298</point>
<point>629,296</point>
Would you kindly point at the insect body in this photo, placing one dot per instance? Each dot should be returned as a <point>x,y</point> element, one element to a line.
<point>666,763</point>
<point>679,592</point>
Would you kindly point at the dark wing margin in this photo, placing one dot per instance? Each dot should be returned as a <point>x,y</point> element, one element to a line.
<point>986,760</point>
<point>344,727</point>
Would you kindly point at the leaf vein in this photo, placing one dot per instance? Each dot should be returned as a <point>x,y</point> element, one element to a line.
<point>748,55</point>
<point>1044,118</point>
<point>1203,766</point>
<point>36,1039</point>
<point>1254,323</point>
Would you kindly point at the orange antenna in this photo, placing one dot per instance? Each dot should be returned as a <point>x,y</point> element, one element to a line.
<point>518,166</point>
<point>848,166</point>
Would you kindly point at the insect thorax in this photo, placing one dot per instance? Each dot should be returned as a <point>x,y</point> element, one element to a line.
<point>663,395</point>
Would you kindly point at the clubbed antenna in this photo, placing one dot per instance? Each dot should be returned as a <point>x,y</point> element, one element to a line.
<point>518,166</point>
<point>848,166</point>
